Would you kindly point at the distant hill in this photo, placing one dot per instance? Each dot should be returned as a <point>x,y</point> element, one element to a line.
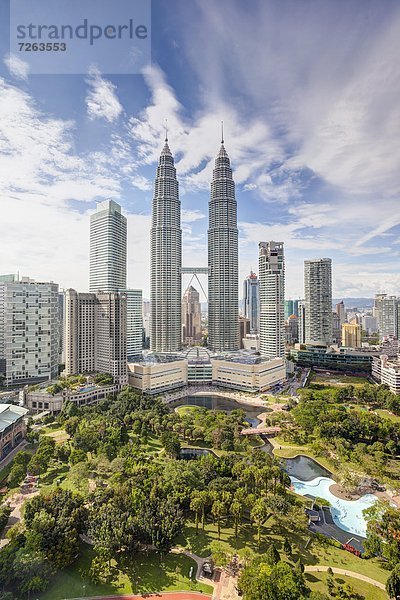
<point>355,302</point>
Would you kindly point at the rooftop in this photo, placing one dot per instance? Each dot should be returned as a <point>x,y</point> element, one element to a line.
<point>9,414</point>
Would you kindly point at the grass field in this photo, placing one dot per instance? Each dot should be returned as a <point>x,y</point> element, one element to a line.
<point>315,553</point>
<point>385,414</point>
<point>336,379</point>
<point>147,575</point>
<point>317,582</point>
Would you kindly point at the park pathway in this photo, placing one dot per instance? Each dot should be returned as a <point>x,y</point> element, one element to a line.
<point>336,571</point>
<point>158,595</point>
<point>16,501</point>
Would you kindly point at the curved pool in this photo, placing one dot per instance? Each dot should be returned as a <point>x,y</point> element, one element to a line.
<point>347,514</point>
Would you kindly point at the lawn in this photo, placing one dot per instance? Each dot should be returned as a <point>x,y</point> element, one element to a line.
<point>147,575</point>
<point>385,414</point>
<point>317,582</point>
<point>152,446</point>
<point>336,379</point>
<point>316,553</point>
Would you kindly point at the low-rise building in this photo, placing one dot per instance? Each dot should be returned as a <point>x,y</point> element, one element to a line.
<point>248,374</point>
<point>387,372</point>
<point>241,371</point>
<point>339,359</point>
<point>41,400</point>
<point>12,427</point>
<point>158,374</point>
<point>351,335</point>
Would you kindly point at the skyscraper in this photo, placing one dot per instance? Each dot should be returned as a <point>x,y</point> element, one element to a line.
<point>29,330</point>
<point>191,316</point>
<point>302,321</point>
<point>251,301</point>
<point>341,311</point>
<point>387,312</point>
<point>108,236</point>
<point>223,314</point>
<point>166,258</point>
<point>134,324</point>
<point>291,308</point>
<point>272,299</point>
<point>318,299</point>
<point>95,334</point>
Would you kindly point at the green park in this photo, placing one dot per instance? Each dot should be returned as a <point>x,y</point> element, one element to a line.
<point>117,510</point>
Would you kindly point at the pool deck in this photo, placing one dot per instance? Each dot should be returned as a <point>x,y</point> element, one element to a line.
<point>326,526</point>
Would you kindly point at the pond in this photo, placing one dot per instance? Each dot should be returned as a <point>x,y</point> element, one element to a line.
<point>221,403</point>
<point>304,468</point>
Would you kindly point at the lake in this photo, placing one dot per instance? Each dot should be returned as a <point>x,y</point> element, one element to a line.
<point>221,403</point>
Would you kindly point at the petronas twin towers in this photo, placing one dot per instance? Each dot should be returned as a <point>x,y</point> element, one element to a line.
<point>166,258</point>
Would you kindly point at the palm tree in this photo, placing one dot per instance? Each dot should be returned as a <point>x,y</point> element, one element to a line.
<point>204,498</point>
<point>236,512</point>
<point>196,505</point>
<point>218,509</point>
<point>258,515</point>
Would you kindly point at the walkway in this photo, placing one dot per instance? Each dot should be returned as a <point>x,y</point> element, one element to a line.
<point>261,430</point>
<point>199,562</point>
<point>159,596</point>
<point>16,502</point>
<point>321,569</point>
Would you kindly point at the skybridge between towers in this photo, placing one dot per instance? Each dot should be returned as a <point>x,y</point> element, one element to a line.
<point>195,272</point>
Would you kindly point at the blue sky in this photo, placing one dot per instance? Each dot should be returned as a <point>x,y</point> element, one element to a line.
<point>309,94</point>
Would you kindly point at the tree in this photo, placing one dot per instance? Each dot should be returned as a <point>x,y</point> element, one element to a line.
<point>218,510</point>
<point>196,505</point>
<point>393,583</point>
<point>204,496</point>
<point>272,555</point>
<point>236,512</point>
<point>171,443</point>
<point>330,584</point>
<point>258,515</point>
<point>219,554</point>
<point>53,524</point>
<point>287,547</point>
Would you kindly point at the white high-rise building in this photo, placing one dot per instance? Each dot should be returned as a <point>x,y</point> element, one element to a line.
<point>108,238</point>
<point>95,334</point>
<point>223,259</point>
<point>166,258</point>
<point>387,312</point>
<point>318,299</point>
<point>302,321</point>
<point>251,301</point>
<point>29,330</point>
<point>134,324</point>
<point>272,299</point>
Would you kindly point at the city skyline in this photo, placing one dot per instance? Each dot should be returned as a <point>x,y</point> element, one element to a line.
<point>324,181</point>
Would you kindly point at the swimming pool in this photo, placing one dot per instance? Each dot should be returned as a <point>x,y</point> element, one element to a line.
<point>347,514</point>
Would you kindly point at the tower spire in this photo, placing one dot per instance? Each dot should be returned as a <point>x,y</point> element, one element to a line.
<point>222,132</point>
<point>166,130</point>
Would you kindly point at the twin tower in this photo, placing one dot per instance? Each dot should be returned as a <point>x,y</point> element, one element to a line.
<point>166,258</point>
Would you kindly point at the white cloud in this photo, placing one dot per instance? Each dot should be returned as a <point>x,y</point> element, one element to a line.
<point>101,100</point>
<point>18,68</point>
<point>42,234</point>
<point>195,142</point>
<point>189,216</point>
